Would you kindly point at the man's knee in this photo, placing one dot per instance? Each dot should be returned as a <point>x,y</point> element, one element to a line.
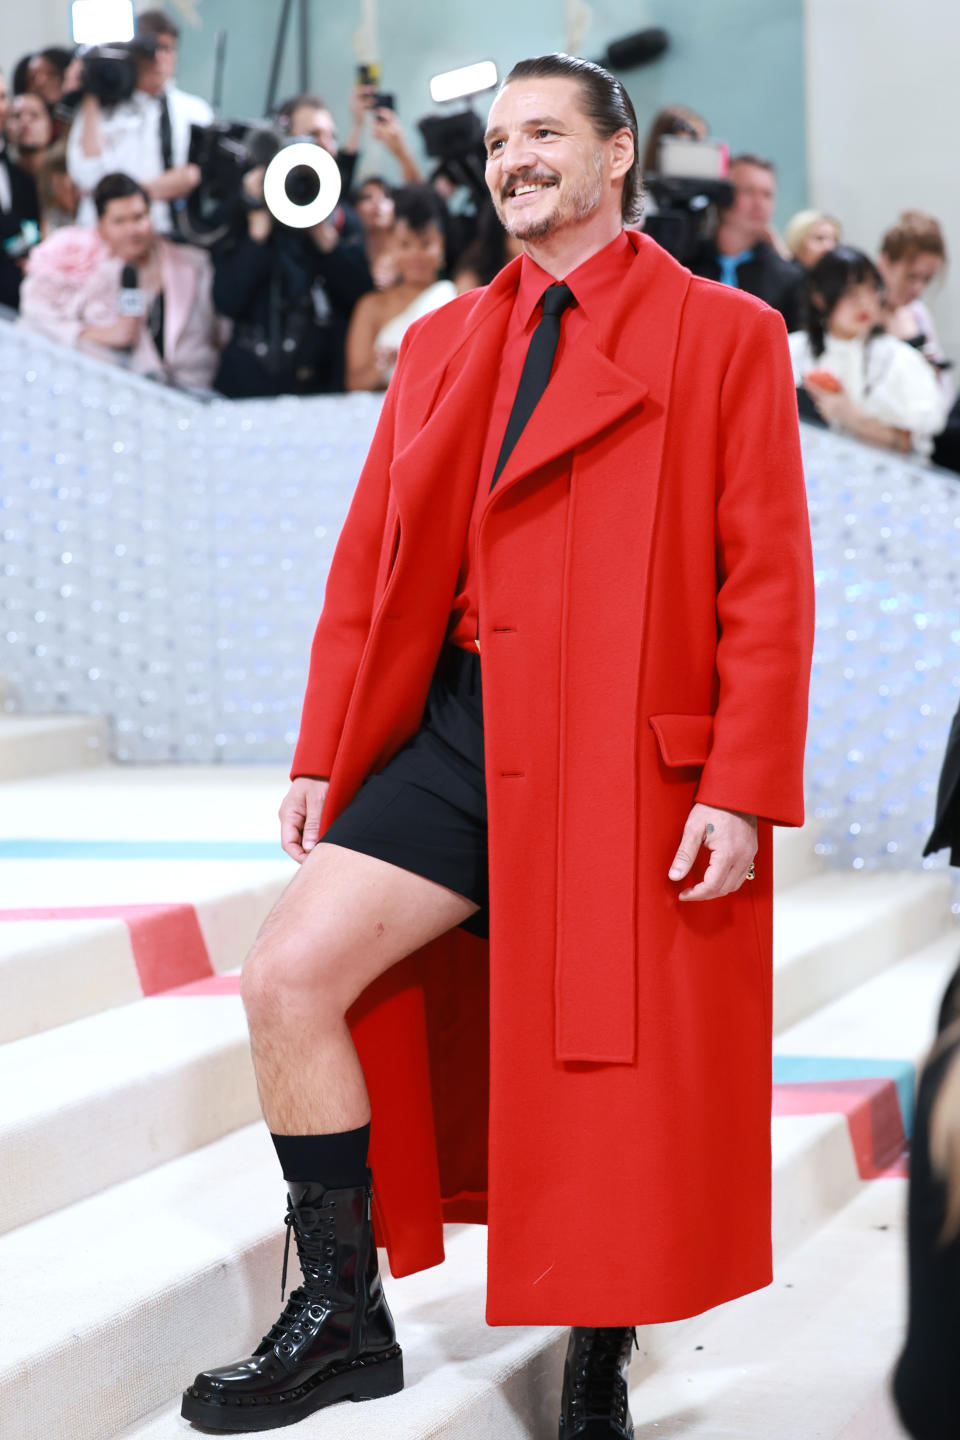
<point>287,976</point>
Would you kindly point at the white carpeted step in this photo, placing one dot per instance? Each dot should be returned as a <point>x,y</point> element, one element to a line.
<point>795,855</point>
<point>182,1265</point>
<point>41,744</point>
<point>92,1103</point>
<point>53,971</point>
<point>159,802</point>
<point>814,1176</point>
<point>891,1017</point>
<point>833,932</point>
<point>805,1358</point>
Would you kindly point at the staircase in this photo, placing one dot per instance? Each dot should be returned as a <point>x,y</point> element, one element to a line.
<point>140,1204</point>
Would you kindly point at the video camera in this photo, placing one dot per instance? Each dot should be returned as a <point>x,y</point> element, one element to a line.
<point>456,141</point>
<point>688,187</point>
<point>109,73</point>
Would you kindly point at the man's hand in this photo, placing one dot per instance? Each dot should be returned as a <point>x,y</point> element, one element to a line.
<point>325,236</point>
<point>731,839</point>
<point>300,816</point>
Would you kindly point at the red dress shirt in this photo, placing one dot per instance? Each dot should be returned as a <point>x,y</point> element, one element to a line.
<point>594,285</point>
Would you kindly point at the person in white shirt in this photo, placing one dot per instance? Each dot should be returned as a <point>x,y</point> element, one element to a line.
<point>861,380</point>
<point>147,136</point>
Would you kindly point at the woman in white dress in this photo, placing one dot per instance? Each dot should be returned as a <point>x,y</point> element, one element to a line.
<point>862,380</point>
<point>381,318</point>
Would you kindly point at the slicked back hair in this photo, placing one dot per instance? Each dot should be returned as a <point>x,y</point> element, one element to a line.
<point>607,106</point>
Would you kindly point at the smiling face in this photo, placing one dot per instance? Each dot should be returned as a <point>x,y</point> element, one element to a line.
<point>547,168</point>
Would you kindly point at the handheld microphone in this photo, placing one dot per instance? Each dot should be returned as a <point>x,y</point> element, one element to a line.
<point>131,300</point>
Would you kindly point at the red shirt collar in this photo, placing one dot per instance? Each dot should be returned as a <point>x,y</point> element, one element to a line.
<point>590,282</point>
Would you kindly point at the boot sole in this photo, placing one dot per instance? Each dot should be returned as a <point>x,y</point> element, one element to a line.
<point>368,1379</point>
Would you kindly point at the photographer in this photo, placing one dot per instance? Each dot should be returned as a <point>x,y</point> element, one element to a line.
<point>123,288</point>
<point>146,136</point>
<point>744,253</point>
<point>18,206</point>
<point>290,293</point>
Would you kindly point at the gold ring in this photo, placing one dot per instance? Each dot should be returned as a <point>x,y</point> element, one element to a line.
<point>751,873</point>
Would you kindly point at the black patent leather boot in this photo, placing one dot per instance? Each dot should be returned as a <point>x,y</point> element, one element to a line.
<point>335,1338</point>
<point>595,1399</point>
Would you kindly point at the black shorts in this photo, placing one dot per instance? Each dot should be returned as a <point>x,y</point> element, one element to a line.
<point>426,810</point>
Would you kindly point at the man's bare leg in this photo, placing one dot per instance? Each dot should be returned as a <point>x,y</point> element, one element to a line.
<point>343,920</point>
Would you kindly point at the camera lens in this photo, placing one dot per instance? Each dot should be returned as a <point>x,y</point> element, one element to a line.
<point>302,185</point>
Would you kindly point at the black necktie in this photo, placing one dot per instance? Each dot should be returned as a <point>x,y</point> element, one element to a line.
<point>536,369</point>
<point>166,133</point>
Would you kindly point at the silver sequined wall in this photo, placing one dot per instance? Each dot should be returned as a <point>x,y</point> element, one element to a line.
<point>163,564</point>
<point>163,560</point>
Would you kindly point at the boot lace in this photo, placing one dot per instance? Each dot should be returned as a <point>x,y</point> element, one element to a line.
<point>313,1229</point>
<point>598,1389</point>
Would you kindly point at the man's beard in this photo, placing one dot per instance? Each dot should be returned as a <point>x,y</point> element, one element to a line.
<point>580,201</point>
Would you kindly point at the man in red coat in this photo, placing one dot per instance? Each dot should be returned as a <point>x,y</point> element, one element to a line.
<point>586,483</point>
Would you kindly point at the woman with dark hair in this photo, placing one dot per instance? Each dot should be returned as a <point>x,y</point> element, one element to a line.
<point>373,201</point>
<point>486,256</point>
<point>45,72</point>
<point>30,130</point>
<point>382,317</point>
<point>861,380</point>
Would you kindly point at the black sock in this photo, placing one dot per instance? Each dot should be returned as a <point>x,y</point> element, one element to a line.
<point>333,1161</point>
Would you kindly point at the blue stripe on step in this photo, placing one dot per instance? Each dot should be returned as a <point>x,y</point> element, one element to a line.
<point>796,1069</point>
<point>30,849</point>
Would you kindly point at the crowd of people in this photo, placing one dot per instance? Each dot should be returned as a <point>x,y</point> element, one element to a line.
<point>92,251</point>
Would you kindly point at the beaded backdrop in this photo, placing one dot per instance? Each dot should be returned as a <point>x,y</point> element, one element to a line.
<point>163,562</point>
<point>163,558</point>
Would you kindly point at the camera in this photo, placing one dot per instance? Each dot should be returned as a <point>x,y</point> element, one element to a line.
<point>456,141</point>
<point>369,75</point>
<point>687,188</point>
<point>225,152</point>
<point>109,73</point>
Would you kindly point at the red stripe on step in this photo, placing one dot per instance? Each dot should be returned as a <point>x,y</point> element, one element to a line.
<point>872,1109</point>
<point>167,942</point>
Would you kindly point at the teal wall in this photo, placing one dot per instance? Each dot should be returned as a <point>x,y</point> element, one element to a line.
<point>738,62</point>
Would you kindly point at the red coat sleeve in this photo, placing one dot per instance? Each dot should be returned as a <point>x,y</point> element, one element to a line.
<point>348,603</point>
<point>765,597</point>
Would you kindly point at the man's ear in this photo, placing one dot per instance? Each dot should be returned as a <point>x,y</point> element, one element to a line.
<point>621,152</point>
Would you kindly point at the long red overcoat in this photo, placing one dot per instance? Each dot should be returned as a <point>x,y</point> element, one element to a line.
<point>595,1083</point>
